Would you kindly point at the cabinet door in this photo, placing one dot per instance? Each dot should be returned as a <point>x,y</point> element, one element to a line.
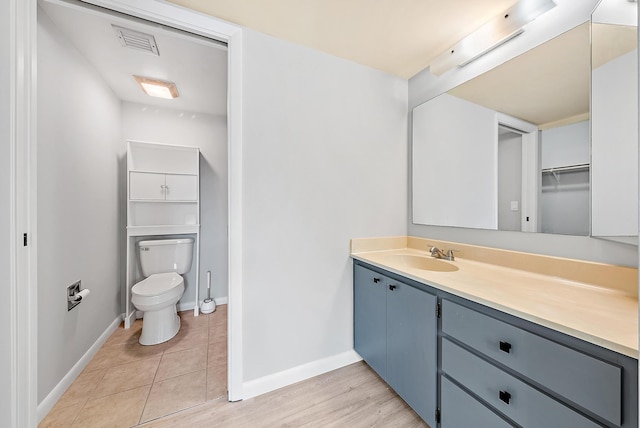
<point>369,311</point>
<point>146,186</point>
<point>182,187</point>
<point>412,347</point>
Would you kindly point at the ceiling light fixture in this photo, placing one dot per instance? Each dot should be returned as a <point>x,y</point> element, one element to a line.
<point>157,88</point>
<point>499,30</point>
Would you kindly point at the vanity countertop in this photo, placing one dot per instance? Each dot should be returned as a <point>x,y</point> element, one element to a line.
<point>594,302</point>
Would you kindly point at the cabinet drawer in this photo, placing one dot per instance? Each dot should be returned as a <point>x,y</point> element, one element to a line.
<point>588,382</point>
<point>520,402</point>
<point>459,409</point>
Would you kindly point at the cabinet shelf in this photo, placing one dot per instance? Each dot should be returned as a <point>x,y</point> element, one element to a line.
<point>162,201</point>
<point>162,229</point>
<point>155,171</point>
<point>162,158</point>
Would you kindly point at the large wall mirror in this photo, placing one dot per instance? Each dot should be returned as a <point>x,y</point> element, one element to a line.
<point>614,139</point>
<point>511,148</point>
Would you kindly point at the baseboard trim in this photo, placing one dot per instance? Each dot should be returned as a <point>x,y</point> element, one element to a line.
<point>188,306</point>
<point>284,378</point>
<point>221,300</point>
<point>185,306</point>
<point>52,398</point>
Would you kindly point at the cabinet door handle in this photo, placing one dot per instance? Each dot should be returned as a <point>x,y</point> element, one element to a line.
<point>505,396</point>
<point>392,287</point>
<point>376,280</point>
<point>505,346</point>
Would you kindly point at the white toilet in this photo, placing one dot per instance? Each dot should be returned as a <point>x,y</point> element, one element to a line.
<point>162,262</point>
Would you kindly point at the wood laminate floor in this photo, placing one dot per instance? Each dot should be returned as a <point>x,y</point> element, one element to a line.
<point>182,383</point>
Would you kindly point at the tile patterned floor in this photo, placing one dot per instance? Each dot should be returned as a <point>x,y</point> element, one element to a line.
<point>127,384</point>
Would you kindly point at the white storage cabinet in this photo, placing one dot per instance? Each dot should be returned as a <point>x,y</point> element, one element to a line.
<point>163,198</point>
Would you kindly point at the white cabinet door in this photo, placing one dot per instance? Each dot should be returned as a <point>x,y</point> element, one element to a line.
<point>181,187</point>
<point>146,186</point>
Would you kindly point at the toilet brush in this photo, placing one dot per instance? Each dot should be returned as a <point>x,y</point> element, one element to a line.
<point>208,305</point>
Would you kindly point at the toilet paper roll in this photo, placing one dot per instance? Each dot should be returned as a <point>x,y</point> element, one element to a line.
<point>82,294</point>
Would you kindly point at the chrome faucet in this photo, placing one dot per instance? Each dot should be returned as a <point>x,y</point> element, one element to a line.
<point>439,254</point>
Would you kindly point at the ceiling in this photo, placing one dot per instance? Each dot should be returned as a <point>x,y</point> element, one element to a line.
<point>527,87</point>
<point>400,37</point>
<point>611,41</point>
<point>560,66</point>
<point>198,66</point>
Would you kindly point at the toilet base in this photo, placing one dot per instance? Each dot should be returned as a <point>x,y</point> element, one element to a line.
<point>159,326</point>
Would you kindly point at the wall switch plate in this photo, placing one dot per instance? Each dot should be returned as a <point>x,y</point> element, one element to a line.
<point>514,205</point>
<point>72,290</point>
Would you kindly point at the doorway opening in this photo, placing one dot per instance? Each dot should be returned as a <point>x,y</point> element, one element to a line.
<point>518,175</point>
<point>89,106</point>
<point>509,179</point>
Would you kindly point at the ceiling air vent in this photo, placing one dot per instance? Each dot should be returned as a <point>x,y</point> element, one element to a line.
<point>136,40</point>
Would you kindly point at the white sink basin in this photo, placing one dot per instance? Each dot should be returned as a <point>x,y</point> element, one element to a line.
<point>423,263</point>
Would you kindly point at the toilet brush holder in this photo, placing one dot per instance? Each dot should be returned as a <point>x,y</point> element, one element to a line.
<point>208,305</point>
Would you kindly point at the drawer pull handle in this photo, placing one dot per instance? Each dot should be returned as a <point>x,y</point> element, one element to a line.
<point>376,280</point>
<point>505,346</point>
<point>505,396</point>
<point>392,287</point>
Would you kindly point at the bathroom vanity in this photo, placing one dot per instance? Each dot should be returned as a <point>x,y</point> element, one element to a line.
<point>523,341</point>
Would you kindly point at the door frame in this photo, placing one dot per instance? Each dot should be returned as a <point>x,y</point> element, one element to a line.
<point>22,291</point>
<point>23,144</point>
<point>531,180</point>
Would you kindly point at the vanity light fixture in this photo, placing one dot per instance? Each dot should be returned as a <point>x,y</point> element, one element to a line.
<point>499,30</point>
<point>157,88</point>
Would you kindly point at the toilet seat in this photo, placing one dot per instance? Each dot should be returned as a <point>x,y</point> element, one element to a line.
<point>158,283</point>
<point>157,289</point>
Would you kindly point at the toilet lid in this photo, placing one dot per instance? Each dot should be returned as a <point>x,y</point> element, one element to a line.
<point>156,284</point>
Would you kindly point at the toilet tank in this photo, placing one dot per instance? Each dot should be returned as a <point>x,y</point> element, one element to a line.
<point>165,255</point>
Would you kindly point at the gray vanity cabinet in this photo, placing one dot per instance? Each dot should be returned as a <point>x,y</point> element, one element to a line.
<point>483,368</point>
<point>395,332</point>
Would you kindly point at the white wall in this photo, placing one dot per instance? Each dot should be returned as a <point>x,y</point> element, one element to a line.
<point>455,154</point>
<point>6,347</point>
<point>209,133</point>
<point>615,147</point>
<point>79,147</point>
<point>324,153</point>
<point>565,145</point>
<point>424,86</point>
